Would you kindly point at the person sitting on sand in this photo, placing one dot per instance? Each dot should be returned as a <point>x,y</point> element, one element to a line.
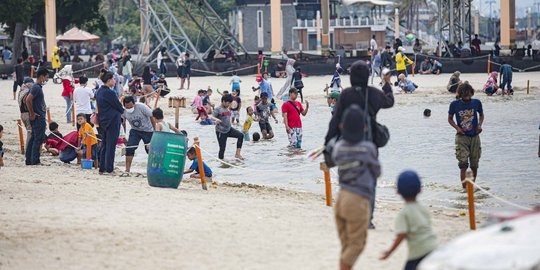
<point>436,67</point>
<point>454,82</point>
<point>191,154</point>
<point>469,117</point>
<point>406,84</point>
<point>53,139</point>
<point>491,85</point>
<point>425,67</point>
<point>358,169</point>
<point>222,117</point>
<point>412,223</point>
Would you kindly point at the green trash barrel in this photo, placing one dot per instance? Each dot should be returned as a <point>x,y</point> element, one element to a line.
<point>166,159</point>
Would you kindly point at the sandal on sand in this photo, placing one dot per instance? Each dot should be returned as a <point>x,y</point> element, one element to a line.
<point>125,174</point>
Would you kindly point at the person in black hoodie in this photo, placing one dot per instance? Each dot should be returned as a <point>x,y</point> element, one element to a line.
<point>386,58</point>
<point>110,112</point>
<point>355,94</point>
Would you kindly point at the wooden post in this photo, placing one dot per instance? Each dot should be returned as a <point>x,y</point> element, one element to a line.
<point>72,113</point>
<point>157,98</point>
<point>489,64</point>
<point>470,195</point>
<point>21,135</point>
<point>200,163</point>
<point>259,69</point>
<point>176,115</point>
<point>528,85</point>
<point>327,184</point>
<point>48,116</point>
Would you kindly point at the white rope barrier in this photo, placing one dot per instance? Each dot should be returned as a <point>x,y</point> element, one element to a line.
<point>497,197</point>
<point>221,73</point>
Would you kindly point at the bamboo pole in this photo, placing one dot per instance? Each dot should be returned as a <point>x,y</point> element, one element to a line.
<point>176,115</point>
<point>528,86</point>
<point>200,163</point>
<point>327,184</point>
<point>470,195</point>
<point>157,98</point>
<point>72,113</point>
<point>48,116</point>
<point>489,64</point>
<point>21,135</point>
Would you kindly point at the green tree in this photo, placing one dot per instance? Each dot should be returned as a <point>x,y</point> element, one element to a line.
<point>16,14</point>
<point>81,13</point>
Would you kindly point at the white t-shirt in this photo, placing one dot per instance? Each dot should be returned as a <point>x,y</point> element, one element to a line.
<point>82,96</point>
<point>159,58</point>
<point>235,79</point>
<point>373,44</point>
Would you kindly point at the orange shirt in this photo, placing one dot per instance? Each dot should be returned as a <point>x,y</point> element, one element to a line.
<point>87,128</point>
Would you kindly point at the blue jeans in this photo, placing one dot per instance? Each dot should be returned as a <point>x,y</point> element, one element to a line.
<point>127,78</point>
<point>68,109</point>
<point>33,149</point>
<point>506,82</point>
<point>68,154</point>
<point>163,68</point>
<point>94,151</point>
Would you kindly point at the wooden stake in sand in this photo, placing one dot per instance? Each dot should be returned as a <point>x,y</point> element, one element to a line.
<point>157,98</point>
<point>176,115</point>
<point>200,163</point>
<point>21,136</point>
<point>528,85</point>
<point>72,113</point>
<point>470,195</point>
<point>48,116</point>
<point>489,64</point>
<point>327,184</point>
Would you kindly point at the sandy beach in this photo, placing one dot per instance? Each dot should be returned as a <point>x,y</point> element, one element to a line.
<point>61,217</point>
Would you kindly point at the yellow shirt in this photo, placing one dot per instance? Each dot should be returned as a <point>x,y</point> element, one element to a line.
<point>400,61</point>
<point>247,124</point>
<point>87,128</point>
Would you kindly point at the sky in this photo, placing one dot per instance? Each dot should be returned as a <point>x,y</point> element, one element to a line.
<point>521,6</point>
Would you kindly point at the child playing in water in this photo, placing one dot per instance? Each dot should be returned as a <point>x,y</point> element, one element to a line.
<point>222,117</point>
<point>87,136</point>
<point>335,83</point>
<point>191,154</point>
<point>264,111</point>
<point>406,84</point>
<point>247,123</point>
<point>236,105</point>
<point>235,82</point>
<point>469,117</point>
<point>161,125</point>
<point>412,223</point>
<point>491,86</point>
<point>358,169</point>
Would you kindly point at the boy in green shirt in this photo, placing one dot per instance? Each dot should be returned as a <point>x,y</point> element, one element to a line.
<point>412,223</point>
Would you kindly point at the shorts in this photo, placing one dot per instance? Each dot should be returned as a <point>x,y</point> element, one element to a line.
<point>235,115</point>
<point>135,137</point>
<point>235,86</point>
<point>94,151</point>
<point>246,136</point>
<point>295,138</point>
<point>265,126</point>
<point>180,71</point>
<point>468,151</point>
<point>352,214</point>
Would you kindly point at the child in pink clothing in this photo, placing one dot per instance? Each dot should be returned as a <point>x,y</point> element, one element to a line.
<point>197,102</point>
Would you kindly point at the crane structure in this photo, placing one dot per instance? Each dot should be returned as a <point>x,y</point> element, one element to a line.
<point>455,21</point>
<point>161,23</point>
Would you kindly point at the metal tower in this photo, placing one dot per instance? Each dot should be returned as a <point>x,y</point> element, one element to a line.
<point>455,21</point>
<point>159,21</point>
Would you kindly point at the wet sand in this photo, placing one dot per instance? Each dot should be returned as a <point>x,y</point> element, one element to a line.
<point>60,217</point>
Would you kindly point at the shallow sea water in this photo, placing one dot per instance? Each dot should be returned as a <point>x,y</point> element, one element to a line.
<point>509,166</point>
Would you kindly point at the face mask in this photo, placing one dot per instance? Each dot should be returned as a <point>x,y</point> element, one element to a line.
<point>130,110</point>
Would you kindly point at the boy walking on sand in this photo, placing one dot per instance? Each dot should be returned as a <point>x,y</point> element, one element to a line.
<point>222,117</point>
<point>469,117</point>
<point>358,169</point>
<point>412,223</point>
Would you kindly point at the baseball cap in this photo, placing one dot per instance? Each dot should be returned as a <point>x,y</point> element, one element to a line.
<point>408,184</point>
<point>352,124</point>
<point>401,49</point>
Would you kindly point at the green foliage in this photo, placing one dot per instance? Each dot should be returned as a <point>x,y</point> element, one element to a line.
<point>18,11</point>
<point>81,13</point>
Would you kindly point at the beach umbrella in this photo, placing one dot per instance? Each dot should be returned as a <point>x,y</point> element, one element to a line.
<point>410,37</point>
<point>75,35</point>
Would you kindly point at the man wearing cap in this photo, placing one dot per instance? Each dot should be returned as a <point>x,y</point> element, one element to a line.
<point>402,61</point>
<point>355,95</point>
<point>358,169</point>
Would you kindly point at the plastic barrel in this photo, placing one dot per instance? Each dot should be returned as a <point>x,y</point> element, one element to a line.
<point>166,159</point>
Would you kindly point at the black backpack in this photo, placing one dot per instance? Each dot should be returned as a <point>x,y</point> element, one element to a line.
<point>22,100</point>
